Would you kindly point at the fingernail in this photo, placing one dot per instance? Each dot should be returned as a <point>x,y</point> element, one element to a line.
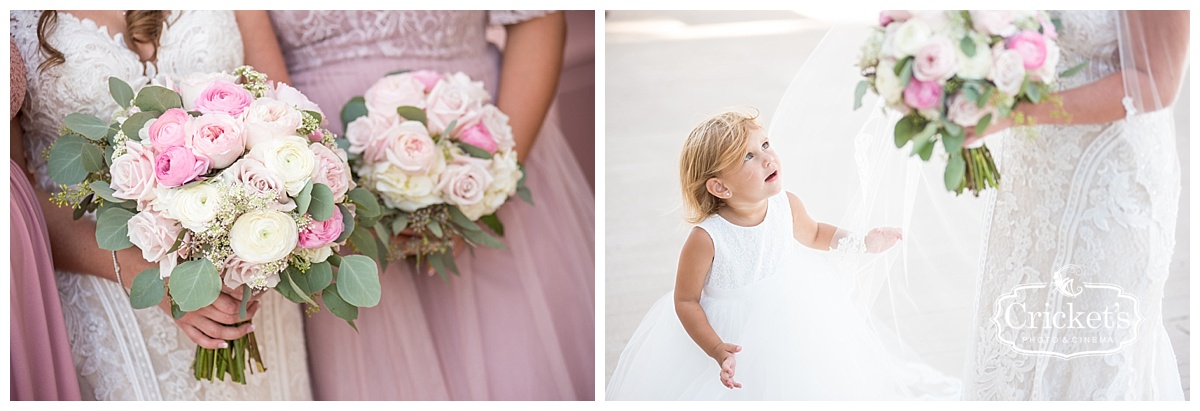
<point>224,345</point>
<point>251,328</point>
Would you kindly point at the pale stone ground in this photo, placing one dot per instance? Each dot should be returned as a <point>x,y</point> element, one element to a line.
<point>668,70</point>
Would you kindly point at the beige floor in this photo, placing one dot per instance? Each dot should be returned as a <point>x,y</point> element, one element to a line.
<point>668,70</point>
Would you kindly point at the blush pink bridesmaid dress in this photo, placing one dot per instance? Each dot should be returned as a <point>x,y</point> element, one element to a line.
<point>517,324</point>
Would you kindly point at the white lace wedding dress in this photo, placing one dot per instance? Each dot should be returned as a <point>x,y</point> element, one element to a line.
<point>1103,197</point>
<point>121,353</point>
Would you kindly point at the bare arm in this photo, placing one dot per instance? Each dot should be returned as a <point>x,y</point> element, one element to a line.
<point>533,56</point>
<point>694,263</point>
<point>261,46</point>
<point>806,230</point>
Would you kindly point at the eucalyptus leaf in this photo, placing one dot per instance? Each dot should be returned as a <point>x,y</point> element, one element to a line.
<point>112,229</point>
<point>304,198</point>
<point>102,190</point>
<point>400,223</point>
<point>906,128</point>
<point>355,108</point>
<point>953,142</point>
<point>157,98</point>
<point>317,277</point>
<point>859,92</point>
<point>291,278</point>
<point>448,261</point>
<point>368,206</point>
<point>321,207</point>
<point>983,124</point>
<point>285,289</point>
<point>315,115</point>
<point>411,113</point>
<point>461,219</point>
<point>88,126</point>
<point>450,128</point>
<point>92,158</point>
<point>435,228</point>
<point>133,125</point>
<point>955,171</point>
<point>400,71</point>
<point>439,266</point>
<point>906,72</point>
<point>347,224</point>
<point>195,284</point>
<point>176,313</point>
<point>358,281</point>
<point>474,151</point>
<point>524,193</point>
<point>147,290</point>
<point>246,295</point>
<point>120,91</point>
<point>1073,70</point>
<point>987,95</point>
<point>66,160</point>
<point>337,305</point>
<point>967,45</point>
<point>362,241</point>
<point>493,222</point>
<point>483,238</point>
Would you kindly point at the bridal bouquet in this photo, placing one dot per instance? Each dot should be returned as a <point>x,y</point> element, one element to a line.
<point>950,70</point>
<point>441,158</point>
<point>223,180</point>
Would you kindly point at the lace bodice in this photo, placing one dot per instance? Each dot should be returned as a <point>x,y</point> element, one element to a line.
<point>313,37</point>
<point>193,41</point>
<point>744,255</point>
<point>1091,36</point>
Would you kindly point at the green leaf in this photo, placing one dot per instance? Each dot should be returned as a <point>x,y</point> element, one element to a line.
<point>157,98</point>
<point>178,241</point>
<point>971,94</point>
<point>287,291</point>
<point>290,275</point>
<point>1074,70</point>
<point>450,128</point>
<point>92,158</point>
<point>524,193</point>
<point>316,279</point>
<point>88,126</point>
<point>954,141</point>
<point>955,170</point>
<point>906,72</point>
<point>315,115</point>
<point>906,128</point>
<point>400,223</point>
<point>148,289</point>
<point>381,245</point>
<point>134,123</point>
<point>987,95</point>
<point>859,92</point>
<point>483,238</point>
<point>983,124</point>
<point>923,142</point>
<point>176,313</point>
<point>246,294</point>
<point>338,306</point>
<point>968,46</point>
<point>362,241</point>
<point>358,281</point>
<point>381,233</point>
<point>448,261</point>
<point>66,160</point>
<point>411,113</point>
<point>102,190</point>
<point>303,198</point>
<point>400,71</point>
<point>195,284</point>
<point>493,222</point>
<point>322,206</point>
<point>108,152</point>
<point>474,151</point>
<point>355,108</point>
<point>1032,91</point>
<point>112,229</point>
<point>461,219</point>
<point>111,133</point>
<point>120,91</point>
<point>347,224</point>
<point>438,264</point>
<point>435,228</point>
<point>368,206</point>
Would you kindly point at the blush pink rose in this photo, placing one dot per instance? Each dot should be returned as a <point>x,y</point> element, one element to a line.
<point>464,182</point>
<point>169,129</point>
<point>223,96</point>
<point>923,95</point>
<point>965,112</point>
<point>331,170</point>
<point>154,234</point>
<point>178,166</point>
<point>1032,47</point>
<point>478,136</point>
<point>133,174</point>
<point>392,92</point>
<point>321,233</point>
<point>238,272</point>
<point>428,78</point>
<point>255,175</point>
<point>219,137</point>
<point>369,136</point>
<point>936,61</point>
<point>1008,71</point>
<point>452,99</point>
<point>295,98</point>
<point>411,149</point>
<point>886,17</point>
<point>994,22</point>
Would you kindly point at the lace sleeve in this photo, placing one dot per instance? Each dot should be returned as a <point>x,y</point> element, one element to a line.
<point>506,17</point>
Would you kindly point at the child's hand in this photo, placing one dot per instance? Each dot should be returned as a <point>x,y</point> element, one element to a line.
<point>725,357</point>
<point>883,238</point>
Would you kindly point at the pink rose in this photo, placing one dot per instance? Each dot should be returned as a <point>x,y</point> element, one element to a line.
<point>923,95</point>
<point>223,96</point>
<point>294,98</point>
<point>1008,71</point>
<point>238,272</point>
<point>367,136</point>
<point>965,112</point>
<point>255,175</point>
<point>464,182</point>
<point>995,22</point>
<point>936,61</point>
<point>268,118</point>
<point>888,16</point>
<point>154,234</point>
<point>428,78</point>
<point>411,149</point>
<point>478,136</point>
<point>332,169</point>
<point>177,166</point>
<point>192,85</point>
<point>321,233</point>
<point>1032,47</point>
<point>219,137</point>
<point>169,129</point>
<point>392,92</point>
<point>133,174</point>
<point>453,98</point>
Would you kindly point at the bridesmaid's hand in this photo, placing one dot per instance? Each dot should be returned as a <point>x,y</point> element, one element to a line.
<point>211,326</point>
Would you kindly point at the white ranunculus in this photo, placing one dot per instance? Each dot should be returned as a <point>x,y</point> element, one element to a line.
<point>978,66</point>
<point>195,206</point>
<point>194,84</point>
<point>1008,71</point>
<point>268,118</point>
<point>403,191</point>
<point>263,236</point>
<point>887,83</point>
<point>910,38</point>
<point>289,159</point>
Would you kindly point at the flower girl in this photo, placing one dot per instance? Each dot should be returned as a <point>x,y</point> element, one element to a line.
<point>754,315</point>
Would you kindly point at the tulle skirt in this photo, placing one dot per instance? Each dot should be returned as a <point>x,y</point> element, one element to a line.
<point>801,339</point>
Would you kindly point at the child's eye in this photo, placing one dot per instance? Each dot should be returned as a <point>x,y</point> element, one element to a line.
<point>749,156</point>
<point>766,145</point>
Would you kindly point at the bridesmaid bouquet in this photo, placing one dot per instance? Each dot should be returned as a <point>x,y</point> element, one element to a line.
<point>949,70</point>
<point>223,180</point>
<point>441,158</point>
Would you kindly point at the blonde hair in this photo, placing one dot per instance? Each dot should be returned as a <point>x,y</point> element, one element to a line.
<point>712,147</point>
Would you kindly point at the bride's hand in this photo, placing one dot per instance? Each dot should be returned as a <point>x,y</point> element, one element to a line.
<point>725,355</point>
<point>997,125</point>
<point>211,326</point>
<point>883,238</point>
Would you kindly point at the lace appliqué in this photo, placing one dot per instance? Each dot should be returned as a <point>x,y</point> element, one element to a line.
<point>851,244</point>
<point>744,255</point>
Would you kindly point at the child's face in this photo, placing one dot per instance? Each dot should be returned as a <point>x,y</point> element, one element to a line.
<point>759,176</point>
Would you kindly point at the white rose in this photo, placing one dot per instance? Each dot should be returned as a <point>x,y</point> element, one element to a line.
<point>1008,71</point>
<point>1048,72</point>
<point>451,99</point>
<point>195,206</point>
<point>995,22</point>
<point>392,92</point>
<point>154,234</point>
<point>315,255</point>
<point>238,272</point>
<point>965,112</point>
<point>133,174</point>
<point>910,38</point>
<point>268,118</point>
<point>194,84</point>
<point>887,83</point>
<point>289,159</point>
<point>403,191</point>
<point>263,236</point>
<point>978,66</point>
